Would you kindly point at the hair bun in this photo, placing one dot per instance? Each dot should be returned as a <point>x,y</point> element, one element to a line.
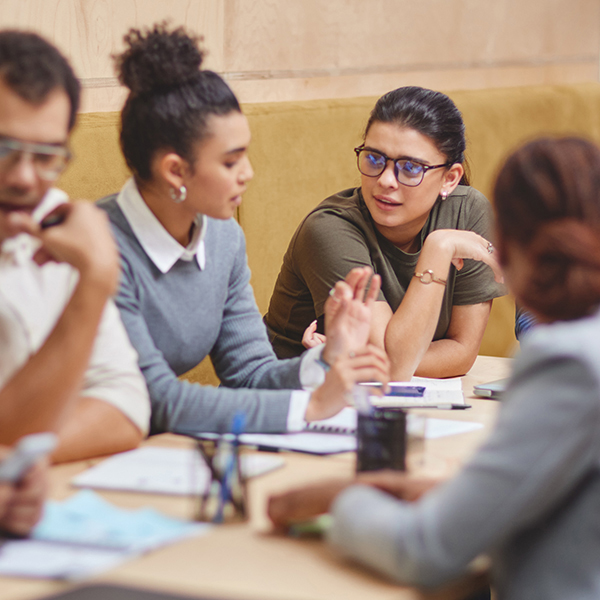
<point>157,58</point>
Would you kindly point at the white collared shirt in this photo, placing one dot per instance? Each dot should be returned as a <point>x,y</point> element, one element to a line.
<point>32,300</point>
<point>162,248</point>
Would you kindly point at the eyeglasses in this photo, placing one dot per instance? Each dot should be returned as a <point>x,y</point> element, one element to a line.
<point>408,172</point>
<point>48,160</point>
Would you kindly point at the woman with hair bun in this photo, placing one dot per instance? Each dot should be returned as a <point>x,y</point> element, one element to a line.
<point>415,221</point>
<point>529,497</point>
<point>185,291</point>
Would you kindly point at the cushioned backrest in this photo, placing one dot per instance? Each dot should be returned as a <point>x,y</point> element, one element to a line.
<point>302,152</point>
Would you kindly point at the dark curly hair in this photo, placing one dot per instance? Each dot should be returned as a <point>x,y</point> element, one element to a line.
<point>547,198</point>
<point>33,68</point>
<point>431,113</point>
<point>170,97</point>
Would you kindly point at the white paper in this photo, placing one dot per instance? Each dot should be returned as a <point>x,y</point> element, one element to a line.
<point>177,471</point>
<point>33,558</point>
<point>437,428</point>
<point>314,443</point>
<point>438,393</point>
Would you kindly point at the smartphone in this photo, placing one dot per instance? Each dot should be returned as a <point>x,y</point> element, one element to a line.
<point>492,390</point>
<point>411,391</point>
<point>28,450</point>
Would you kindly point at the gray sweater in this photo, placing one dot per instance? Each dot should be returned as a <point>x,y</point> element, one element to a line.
<point>176,319</point>
<point>530,497</point>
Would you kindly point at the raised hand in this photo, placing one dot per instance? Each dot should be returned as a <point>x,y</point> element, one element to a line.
<point>348,313</point>
<point>83,239</point>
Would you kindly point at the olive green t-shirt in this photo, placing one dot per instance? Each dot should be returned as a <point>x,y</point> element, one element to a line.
<point>339,234</point>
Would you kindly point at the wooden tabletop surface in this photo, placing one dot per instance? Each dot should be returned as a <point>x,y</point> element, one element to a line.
<point>247,561</point>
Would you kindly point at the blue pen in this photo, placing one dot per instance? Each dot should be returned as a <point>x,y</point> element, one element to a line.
<point>231,477</point>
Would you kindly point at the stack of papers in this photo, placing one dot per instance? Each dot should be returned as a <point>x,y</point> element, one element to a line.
<point>84,535</point>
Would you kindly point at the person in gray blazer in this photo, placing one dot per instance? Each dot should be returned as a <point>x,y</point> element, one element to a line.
<point>530,497</point>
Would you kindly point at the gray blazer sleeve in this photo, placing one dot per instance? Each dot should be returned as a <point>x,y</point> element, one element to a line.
<point>543,446</point>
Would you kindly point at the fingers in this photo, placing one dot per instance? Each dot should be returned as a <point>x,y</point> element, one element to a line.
<point>319,338</point>
<point>42,256</point>
<point>399,484</point>
<point>25,507</point>
<point>22,223</point>
<point>374,289</point>
<point>369,364</point>
<point>310,337</point>
<point>308,334</point>
<point>492,261</point>
<point>370,355</point>
<point>354,277</point>
<point>304,503</point>
<point>357,280</point>
<point>361,284</point>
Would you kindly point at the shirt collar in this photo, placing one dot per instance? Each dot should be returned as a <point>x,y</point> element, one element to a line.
<point>164,251</point>
<point>21,248</point>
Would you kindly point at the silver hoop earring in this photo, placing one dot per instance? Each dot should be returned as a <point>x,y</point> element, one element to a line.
<point>178,196</point>
<point>444,195</point>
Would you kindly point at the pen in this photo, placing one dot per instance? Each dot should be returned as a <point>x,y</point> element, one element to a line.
<point>443,406</point>
<point>448,406</point>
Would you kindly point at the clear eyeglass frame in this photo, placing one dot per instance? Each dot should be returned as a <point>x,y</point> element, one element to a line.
<point>48,160</point>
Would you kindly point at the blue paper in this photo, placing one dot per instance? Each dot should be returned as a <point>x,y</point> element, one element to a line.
<point>86,519</point>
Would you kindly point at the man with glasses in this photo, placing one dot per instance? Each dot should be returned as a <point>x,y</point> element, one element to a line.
<point>66,363</point>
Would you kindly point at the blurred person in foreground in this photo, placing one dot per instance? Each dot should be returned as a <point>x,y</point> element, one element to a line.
<point>66,364</point>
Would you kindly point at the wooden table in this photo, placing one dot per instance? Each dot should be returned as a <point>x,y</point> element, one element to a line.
<point>248,562</point>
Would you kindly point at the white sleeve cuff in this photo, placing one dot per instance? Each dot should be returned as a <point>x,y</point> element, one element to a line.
<point>312,374</point>
<point>298,405</point>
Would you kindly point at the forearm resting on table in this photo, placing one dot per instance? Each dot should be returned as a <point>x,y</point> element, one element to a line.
<point>95,428</point>
<point>454,355</point>
<point>407,339</point>
<point>35,397</point>
<point>309,501</point>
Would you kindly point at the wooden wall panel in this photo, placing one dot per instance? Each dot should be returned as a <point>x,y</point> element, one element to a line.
<point>272,50</point>
<point>396,34</point>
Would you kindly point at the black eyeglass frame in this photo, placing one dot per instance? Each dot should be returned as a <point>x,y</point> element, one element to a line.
<point>426,168</point>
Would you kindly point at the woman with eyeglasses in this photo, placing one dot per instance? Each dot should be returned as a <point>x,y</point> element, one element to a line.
<point>529,497</point>
<point>185,289</point>
<point>415,221</point>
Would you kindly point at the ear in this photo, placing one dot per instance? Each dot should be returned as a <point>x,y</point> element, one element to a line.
<point>172,169</point>
<point>452,178</point>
